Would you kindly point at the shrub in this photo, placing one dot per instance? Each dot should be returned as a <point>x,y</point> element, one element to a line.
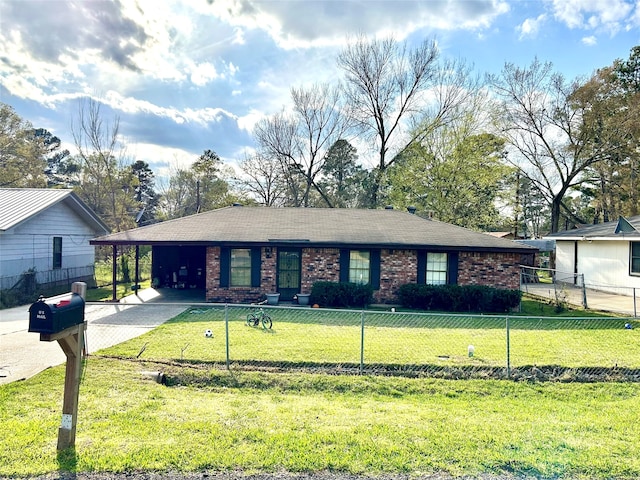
<point>456,298</point>
<point>332,294</point>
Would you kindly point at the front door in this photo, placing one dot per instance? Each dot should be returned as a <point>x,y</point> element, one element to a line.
<point>288,273</point>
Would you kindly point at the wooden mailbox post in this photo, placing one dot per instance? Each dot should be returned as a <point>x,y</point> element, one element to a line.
<point>51,321</point>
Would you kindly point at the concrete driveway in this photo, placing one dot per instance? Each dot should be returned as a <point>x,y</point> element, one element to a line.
<point>596,299</point>
<point>23,355</point>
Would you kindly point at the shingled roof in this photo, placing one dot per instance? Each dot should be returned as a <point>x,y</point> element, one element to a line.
<point>262,226</point>
<point>614,230</point>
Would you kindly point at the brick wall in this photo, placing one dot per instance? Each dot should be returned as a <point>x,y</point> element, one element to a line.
<point>397,268</point>
<point>319,265</point>
<point>500,270</point>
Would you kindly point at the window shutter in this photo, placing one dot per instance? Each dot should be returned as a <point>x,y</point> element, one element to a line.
<point>375,269</point>
<point>452,274</point>
<point>256,266</point>
<point>422,266</point>
<point>225,266</point>
<point>344,265</point>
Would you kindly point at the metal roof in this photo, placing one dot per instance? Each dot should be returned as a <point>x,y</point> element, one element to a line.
<point>614,230</point>
<point>20,204</point>
<point>311,227</point>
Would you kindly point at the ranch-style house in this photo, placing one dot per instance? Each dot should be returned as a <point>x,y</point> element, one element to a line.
<point>239,254</point>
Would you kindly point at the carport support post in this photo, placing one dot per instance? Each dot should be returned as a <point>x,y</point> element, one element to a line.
<point>137,269</point>
<point>72,344</point>
<point>114,271</point>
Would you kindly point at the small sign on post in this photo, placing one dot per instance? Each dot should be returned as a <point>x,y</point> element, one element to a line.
<point>62,320</point>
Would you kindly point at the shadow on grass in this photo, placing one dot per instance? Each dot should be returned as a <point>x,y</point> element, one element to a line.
<point>67,463</point>
<point>215,374</point>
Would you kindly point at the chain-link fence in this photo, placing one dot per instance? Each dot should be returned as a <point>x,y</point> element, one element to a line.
<point>563,288</point>
<point>369,342</point>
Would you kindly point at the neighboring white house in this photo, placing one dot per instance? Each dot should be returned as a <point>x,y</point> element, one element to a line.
<point>46,232</point>
<point>607,255</point>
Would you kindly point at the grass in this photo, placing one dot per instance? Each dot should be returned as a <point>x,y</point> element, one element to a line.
<point>532,306</point>
<point>422,342</point>
<point>207,419</point>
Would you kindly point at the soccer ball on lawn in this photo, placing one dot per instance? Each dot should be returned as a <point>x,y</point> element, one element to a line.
<point>208,333</point>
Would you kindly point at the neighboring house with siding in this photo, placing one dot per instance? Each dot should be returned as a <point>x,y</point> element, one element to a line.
<point>238,254</point>
<point>46,233</point>
<point>606,255</point>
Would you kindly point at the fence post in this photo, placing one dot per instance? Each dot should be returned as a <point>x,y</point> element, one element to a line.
<point>635,310</point>
<point>361,342</point>
<point>508,349</point>
<point>584,293</point>
<point>226,331</point>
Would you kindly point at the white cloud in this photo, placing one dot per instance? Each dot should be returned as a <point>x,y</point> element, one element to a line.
<point>165,158</point>
<point>203,73</point>
<point>590,41</point>
<point>306,24</point>
<point>608,15</point>
<point>531,26</point>
<point>247,122</point>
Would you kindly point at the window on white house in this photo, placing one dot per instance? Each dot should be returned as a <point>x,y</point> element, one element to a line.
<point>436,268</point>
<point>360,267</point>
<point>57,252</point>
<point>635,258</point>
<point>241,267</point>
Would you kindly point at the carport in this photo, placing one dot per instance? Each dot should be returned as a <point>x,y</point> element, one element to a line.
<point>173,265</point>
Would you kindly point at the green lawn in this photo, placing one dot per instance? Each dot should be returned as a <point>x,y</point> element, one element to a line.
<point>212,419</point>
<point>208,418</point>
<point>419,341</point>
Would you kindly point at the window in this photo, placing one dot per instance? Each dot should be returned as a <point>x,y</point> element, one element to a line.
<point>241,267</point>
<point>436,268</point>
<point>635,258</point>
<point>57,252</point>
<point>359,267</point>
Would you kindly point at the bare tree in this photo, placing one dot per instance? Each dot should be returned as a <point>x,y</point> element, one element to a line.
<point>300,140</point>
<point>105,184</point>
<point>385,85</point>
<point>263,180</point>
<point>546,129</point>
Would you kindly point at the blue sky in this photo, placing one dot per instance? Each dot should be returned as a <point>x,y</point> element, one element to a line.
<point>188,75</point>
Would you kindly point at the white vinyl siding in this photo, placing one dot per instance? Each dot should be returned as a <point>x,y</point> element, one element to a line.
<point>29,246</point>
<point>605,264</point>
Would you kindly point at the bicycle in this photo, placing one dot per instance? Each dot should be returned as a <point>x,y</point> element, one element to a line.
<point>259,316</point>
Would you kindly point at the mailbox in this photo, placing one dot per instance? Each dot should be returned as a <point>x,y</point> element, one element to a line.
<point>54,315</point>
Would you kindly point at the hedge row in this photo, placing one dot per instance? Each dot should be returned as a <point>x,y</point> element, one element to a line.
<point>456,298</point>
<point>444,298</point>
<point>332,294</point>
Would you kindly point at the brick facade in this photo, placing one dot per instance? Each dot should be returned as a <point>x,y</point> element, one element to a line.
<point>397,267</point>
<point>319,265</point>
<point>500,270</point>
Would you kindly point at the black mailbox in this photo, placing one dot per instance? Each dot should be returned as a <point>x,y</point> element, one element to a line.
<point>53,316</point>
